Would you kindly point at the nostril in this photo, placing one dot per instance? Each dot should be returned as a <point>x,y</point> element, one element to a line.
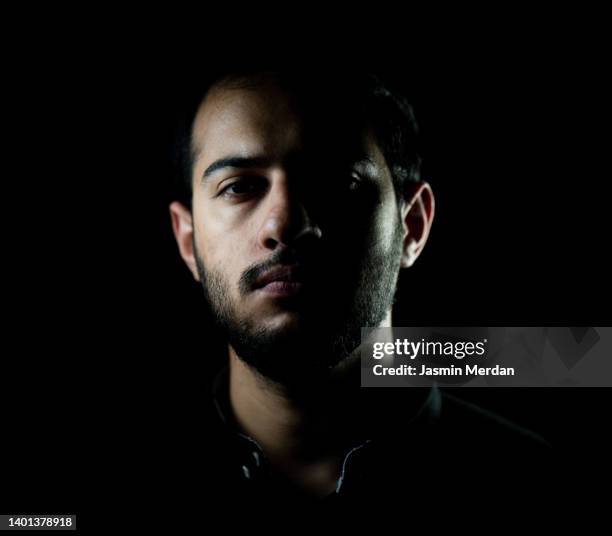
<point>310,232</point>
<point>270,243</point>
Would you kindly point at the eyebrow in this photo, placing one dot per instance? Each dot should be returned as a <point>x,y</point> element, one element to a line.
<point>246,162</point>
<point>365,159</point>
<point>235,162</point>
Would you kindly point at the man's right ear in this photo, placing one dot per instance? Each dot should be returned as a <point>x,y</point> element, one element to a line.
<point>182,225</point>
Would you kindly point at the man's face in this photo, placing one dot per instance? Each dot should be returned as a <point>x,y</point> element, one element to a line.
<point>297,234</point>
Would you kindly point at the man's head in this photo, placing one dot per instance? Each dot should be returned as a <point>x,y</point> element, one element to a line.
<point>301,202</point>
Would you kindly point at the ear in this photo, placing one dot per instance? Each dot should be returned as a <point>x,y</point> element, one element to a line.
<point>417,216</point>
<point>182,225</point>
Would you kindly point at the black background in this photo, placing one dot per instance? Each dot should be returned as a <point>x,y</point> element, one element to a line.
<point>105,337</point>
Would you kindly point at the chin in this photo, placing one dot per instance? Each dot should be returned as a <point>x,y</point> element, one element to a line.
<point>286,323</point>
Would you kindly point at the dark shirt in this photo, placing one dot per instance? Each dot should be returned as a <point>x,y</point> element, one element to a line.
<point>415,453</point>
<point>412,443</point>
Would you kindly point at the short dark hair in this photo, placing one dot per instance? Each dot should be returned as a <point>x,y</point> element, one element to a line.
<point>368,100</point>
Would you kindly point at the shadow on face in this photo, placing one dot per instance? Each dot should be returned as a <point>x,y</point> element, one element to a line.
<point>296,230</point>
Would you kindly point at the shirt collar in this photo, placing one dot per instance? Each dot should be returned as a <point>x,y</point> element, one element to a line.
<point>251,458</point>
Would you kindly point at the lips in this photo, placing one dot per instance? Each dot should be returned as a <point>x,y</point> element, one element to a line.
<point>289,274</point>
<point>281,281</point>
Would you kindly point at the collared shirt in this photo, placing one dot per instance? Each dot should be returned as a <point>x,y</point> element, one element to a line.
<point>407,449</point>
<point>254,466</point>
<point>430,457</point>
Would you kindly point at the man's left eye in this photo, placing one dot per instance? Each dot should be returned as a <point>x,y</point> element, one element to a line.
<point>344,183</point>
<point>353,183</point>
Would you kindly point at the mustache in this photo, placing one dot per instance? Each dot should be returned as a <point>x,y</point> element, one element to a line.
<point>283,257</point>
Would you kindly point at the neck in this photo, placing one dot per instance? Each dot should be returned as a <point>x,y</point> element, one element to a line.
<point>300,435</point>
<point>286,424</point>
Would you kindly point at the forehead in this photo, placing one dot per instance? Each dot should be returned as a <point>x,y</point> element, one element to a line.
<point>260,118</point>
<point>265,119</point>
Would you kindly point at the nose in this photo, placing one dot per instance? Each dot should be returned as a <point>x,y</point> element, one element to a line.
<point>286,220</point>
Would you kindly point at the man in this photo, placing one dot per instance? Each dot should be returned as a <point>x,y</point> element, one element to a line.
<point>302,202</point>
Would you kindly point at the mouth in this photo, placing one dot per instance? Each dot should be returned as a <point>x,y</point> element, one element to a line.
<point>284,281</point>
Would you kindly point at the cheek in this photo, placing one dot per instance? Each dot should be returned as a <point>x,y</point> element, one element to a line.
<point>208,234</point>
<point>219,249</point>
<point>214,254</point>
<point>206,248</point>
<point>219,233</point>
<point>387,221</point>
<point>383,218</point>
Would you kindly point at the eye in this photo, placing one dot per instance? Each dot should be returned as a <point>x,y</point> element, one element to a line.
<point>343,183</point>
<point>350,182</point>
<point>243,186</point>
<point>353,182</point>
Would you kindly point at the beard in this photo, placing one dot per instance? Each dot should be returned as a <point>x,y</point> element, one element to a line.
<point>330,319</point>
